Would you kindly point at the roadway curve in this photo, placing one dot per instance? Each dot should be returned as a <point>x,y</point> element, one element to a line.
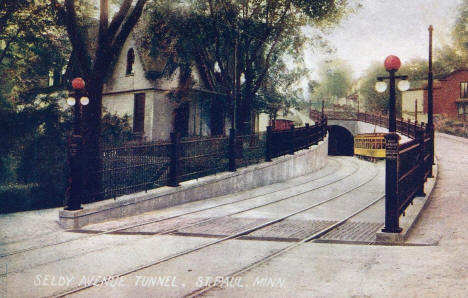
<point>307,270</point>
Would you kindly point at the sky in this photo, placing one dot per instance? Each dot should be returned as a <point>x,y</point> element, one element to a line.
<point>388,27</point>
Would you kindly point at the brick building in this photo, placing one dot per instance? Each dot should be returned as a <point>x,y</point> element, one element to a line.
<point>450,97</point>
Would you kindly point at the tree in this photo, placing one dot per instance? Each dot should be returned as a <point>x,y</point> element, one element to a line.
<point>372,100</point>
<point>460,30</point>
<point>231,39</point>
<point>95,67</point>
<point>335,80</point>
<point>279,90</point>
<point>31,45</point>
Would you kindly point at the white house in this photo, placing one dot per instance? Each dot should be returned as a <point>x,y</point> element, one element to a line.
<point>135,90</point>
<point>412,100</point>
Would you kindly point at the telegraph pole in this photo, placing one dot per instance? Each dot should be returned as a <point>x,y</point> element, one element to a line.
<point>430,101</point>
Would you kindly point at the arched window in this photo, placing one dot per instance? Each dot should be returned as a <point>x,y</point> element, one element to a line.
<point>130,61</point>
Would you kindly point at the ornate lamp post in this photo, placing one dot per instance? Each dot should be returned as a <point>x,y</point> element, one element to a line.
<point>77,99</point>
<point>392,64</point>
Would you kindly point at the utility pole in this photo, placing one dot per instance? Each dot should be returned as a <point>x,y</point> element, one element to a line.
<point>416,110</point>
<point>430,101</point>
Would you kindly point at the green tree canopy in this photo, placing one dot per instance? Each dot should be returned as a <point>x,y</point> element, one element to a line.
<point>335,81</point>
<point>231,38</point>
<point>32,43</point>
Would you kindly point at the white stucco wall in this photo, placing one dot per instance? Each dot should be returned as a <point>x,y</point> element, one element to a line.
<point>123,104</point>
<point>119,81</point>
<point>408,99</point>
<point>263,121</point>
<point>120,90</point>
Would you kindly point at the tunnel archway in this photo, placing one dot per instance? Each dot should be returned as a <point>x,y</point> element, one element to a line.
<point>340,141</point>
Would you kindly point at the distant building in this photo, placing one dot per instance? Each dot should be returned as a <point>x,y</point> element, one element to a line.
<point>412,101</point>
<point>450,93</point>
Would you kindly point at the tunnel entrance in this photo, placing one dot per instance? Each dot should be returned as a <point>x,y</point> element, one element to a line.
<point>340,142</point>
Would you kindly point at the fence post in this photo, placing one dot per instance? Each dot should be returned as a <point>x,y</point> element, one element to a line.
<point>420,136</point>
<point>232,150</point>
<point>391,184</point>
<point>308,136</point>
<point>324,128</point>
<point>292,142</point>
<point>408,127</point>
<point>174,163</point>
<point>269,140</point>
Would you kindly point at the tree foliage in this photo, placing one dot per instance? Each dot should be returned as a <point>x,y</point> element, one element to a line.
<point>32,43</point>
<point>335,81</point>
<point>230,38</point>
<point>371,99</point>
<point>460,30</point>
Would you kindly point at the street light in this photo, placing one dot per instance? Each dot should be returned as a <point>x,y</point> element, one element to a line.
<point>392,64</point>
<point>76,99</point>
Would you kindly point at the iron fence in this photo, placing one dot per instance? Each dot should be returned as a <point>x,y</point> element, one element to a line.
<point>202,157</point>
<point>289,141</point>
<point>410,174</point>
<point>250,149</point>
<point>408,165</point>
<point>140,167</point>
<point>129,169</point>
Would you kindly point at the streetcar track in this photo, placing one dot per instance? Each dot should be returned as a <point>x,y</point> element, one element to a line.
<point>196,223</point>
<point>113,231</point>
<point>192,224</point>
<point>281,251</point>
<point>233,236</point>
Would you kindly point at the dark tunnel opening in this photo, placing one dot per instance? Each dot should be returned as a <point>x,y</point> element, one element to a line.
<point>340,142</point>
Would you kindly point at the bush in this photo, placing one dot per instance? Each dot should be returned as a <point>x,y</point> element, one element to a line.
<point>23,197</point>
<point>33,162</point>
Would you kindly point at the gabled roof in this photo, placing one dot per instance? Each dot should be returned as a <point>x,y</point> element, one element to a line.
<point>153,66</point>
<point>453,72</point>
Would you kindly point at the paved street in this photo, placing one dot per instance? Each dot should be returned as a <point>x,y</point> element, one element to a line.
<point>149,259</point>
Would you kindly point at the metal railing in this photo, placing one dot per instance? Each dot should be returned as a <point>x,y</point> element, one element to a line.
<point>289,141</point>
<point>140,167</point>
<point>408,165</point>
<point>406,128</point>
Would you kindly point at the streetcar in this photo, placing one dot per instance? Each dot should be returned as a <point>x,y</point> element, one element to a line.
<point>370,146</point>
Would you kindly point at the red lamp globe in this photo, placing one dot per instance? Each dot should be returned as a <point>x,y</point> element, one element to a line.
<point>392,63</point>
<point>78,84</point>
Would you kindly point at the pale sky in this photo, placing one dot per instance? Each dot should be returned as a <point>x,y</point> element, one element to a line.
<point>389,27</point>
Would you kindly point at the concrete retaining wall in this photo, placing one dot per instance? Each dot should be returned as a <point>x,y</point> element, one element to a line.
<point>280,169</point>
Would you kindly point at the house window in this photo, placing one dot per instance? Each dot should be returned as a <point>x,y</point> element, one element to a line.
<point>139,113</point>
<point>463,89</point>
<point>130,61</point>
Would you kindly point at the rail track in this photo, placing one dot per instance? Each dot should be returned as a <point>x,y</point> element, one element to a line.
<point>121,229</point>
<point>242,233</point>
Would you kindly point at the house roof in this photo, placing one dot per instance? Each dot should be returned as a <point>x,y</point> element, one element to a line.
<point>153,65</point>
<point>453,72</point>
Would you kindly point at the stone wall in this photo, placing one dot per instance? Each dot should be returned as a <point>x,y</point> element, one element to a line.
<point>280,169</point>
